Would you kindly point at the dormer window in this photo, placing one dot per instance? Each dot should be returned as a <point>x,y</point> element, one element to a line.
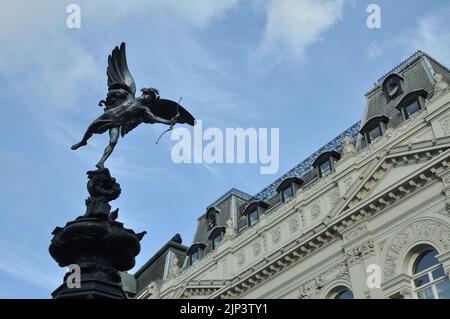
<point>216,236</point>
<point>374,133</point>
<point>195,252</point>
<point>253,211</point>
<point>288,193</point>
<point>211,221</point>
<point>412,103</point>
<point>195,256</point>
<point>325,168</point>
<point>253,217</point>
<point>411,108</point>
<point>216,241</point>
<point>374,128</point>
<point>288,187</point>
<point>392,86</point>
<point>325,162</point>
<point>211,217</point>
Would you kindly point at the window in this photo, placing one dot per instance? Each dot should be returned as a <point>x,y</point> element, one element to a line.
<point>392,86</point>
<point>325,162</point>
<point>325,168</point>
<point>253,210</point>
<point>412,103</point>
<point>211,222</point>
<point>344,294</point>
<point>216,240</point>
<point>374,133</point>
<point>429,279</point>
<point>211,218</point>
<point>340,292</point>
<point>288,193</point>
<point>195,252</point>
<point>288,187</point>
<point>374,128</point>
<point>195,256</point>
<point>411,108</point>
<point>253,217</point>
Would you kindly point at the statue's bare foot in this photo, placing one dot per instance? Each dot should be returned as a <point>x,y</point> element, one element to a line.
<point>100,166</point>
<point>78,145</point>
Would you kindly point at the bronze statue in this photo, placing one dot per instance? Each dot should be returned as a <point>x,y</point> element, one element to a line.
<point>123,111</point>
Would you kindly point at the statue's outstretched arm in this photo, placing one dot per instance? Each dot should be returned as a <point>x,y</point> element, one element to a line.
<point>150,117</point>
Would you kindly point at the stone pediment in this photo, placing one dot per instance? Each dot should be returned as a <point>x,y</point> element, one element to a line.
<point>406,163</point>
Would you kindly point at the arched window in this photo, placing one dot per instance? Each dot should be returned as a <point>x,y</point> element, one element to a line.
<point>392,86</point>
<point>429,278</point>
<point>344,294</point>
<point>341,293</point>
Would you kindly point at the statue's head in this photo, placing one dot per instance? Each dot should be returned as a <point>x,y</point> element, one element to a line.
<point>150,94</point>
<point>114,97</point>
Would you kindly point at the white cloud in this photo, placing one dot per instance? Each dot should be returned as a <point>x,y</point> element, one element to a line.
<point>432,35</point>
<point>293,25</point>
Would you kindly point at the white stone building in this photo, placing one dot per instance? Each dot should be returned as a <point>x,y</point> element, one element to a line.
<point>375,201</point>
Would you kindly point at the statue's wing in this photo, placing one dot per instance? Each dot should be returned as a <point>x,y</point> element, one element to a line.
<point>167,109</point>
<point>118,74</point>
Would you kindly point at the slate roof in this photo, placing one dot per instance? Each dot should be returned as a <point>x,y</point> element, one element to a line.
<point>418,71</point>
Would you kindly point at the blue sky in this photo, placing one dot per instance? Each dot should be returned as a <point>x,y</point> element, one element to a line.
<point>301,66</point>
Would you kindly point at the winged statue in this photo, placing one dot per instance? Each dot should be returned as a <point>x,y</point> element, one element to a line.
<point>123,111</point>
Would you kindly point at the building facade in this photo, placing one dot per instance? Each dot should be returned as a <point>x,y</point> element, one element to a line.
<point>366,216</point>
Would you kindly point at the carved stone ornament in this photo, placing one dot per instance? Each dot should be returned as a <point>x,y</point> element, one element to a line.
<point>153,290</point>
<point>276,236</point>
<point>294,225</point>
<point>445,125</point>
<point>348,145</point>
<point>429,230</point>
<point>174,268</point>
<point>440,83</point>
<point>240,259</point>
<point>360,252</point>
<point>312,289</point>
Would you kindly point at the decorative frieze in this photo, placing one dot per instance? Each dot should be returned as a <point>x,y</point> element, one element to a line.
<point>428,230</point>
